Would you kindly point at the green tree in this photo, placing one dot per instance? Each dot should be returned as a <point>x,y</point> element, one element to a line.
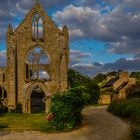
<point>94,91</point>
<point>136,75</point>
<point>91,89</point>
<point>100,77</point>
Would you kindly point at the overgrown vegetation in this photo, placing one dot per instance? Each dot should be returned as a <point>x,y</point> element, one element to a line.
<point>136,75</point>
<point>133,91</point>
<point>128,109</point>
<point>91,90</point>
<point>65,111</point>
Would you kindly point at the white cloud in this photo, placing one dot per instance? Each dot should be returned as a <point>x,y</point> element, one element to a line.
<point>76,33</point>
<point>83,65</point>
<point>117,28</point>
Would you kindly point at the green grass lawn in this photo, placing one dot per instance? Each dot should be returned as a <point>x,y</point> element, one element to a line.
<point>22,122</point>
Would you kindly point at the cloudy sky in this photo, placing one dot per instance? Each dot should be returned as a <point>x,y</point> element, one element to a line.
<point>104,34</point>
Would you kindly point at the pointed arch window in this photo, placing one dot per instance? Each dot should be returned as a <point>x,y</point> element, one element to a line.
<point>3,93</point>
<point>37,64</point>
<point>37,26</point>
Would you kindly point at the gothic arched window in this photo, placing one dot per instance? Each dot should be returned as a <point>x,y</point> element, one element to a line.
<point>3,93</point>
<point>37,27</point>
<point>37,63</point>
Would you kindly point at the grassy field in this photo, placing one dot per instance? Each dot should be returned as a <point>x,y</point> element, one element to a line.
<point>21,122</point>
<point>128,109</point>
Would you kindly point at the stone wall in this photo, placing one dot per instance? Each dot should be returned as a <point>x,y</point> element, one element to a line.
<point>104,99</point>
<point>20,42</point>
<point>123,77</point>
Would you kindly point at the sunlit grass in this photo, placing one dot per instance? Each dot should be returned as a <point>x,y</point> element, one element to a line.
<point>21,122</point>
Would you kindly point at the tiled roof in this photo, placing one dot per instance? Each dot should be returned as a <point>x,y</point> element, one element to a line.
<point>121,87</point>
<point>110,82</point>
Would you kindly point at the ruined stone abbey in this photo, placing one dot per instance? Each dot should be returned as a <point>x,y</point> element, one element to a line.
<point>37,62</point>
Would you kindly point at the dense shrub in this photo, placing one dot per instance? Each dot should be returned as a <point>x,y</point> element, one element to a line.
<point>90,91</point>
<point>136,133</point>
<point>66,109</point>
<point>133,91</point>
<point>94,92</point>
<point>83,92</point>
<point>136,75</point>
<point>129,109</point>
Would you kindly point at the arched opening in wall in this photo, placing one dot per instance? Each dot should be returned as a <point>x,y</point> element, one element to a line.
<point>37,27</point>
<point>37,64</point>
<point>0,92</point>
<point>3,93</point>
<point>37,101</point>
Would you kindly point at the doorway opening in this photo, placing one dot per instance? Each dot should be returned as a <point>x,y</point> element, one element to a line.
<point>37,101</point>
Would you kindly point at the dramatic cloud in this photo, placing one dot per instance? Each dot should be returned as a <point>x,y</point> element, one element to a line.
<point>76,57</point>
<point>121,64</point>
<point>117,26</point>
<point>16,9</point>
<point>113,22</point>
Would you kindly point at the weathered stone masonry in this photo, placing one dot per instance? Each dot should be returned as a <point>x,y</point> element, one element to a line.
<point>20,42</point>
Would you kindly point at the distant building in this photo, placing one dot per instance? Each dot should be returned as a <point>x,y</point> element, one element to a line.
<point>37,62</point>
<point>116,87</point>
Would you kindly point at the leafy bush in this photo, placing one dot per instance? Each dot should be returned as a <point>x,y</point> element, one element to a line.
<point>66,108</point>
<point>133,91</point>
<point>129,109</point>
<point>18,108</point>
<point>84,93</point>
<point>77,79</point>
<point>136,133</point>
<point>136,75</point>
<point>91,90</point>
<point>94,92</point>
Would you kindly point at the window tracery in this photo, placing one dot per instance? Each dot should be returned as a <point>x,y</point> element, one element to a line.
<point>37,64</point>
<point>37,27</point>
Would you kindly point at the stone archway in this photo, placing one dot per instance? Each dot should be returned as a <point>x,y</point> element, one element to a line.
<point>3,95</point>
<point>37,99</point>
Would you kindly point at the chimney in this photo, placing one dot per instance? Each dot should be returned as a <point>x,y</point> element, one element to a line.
<point>124,75</point>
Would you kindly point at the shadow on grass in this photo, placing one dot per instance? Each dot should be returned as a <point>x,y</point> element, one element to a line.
<point>3,126</point>
<point>3,133</point>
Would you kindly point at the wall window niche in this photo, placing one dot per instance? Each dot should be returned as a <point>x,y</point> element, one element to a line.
<point>3,78</point>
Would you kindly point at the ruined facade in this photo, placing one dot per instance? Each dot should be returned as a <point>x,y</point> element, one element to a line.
<point>37,62</point>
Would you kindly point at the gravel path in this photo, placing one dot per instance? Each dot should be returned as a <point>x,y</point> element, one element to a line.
<point>98,124</point>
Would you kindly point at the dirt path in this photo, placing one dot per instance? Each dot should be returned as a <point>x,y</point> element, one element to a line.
<point>98,125</point>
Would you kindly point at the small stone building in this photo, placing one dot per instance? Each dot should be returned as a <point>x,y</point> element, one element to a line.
<point>116,87</point>
<point>37,62</point>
